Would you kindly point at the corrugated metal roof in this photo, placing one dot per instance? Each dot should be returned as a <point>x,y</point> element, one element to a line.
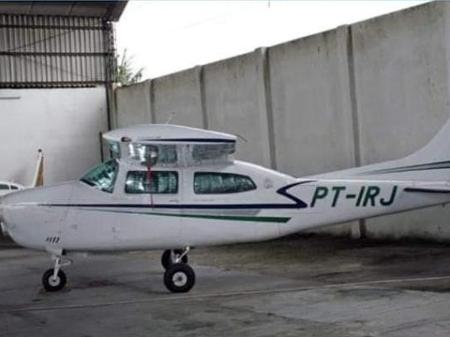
<point>40,51</point>
<point>109,10</point>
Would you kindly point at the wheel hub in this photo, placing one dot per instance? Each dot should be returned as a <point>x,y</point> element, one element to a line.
<point>54,281</point>
<point>179,279</point>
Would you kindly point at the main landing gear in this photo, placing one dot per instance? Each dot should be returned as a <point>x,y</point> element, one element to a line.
<point>179,277</point>
<point>55,279</point>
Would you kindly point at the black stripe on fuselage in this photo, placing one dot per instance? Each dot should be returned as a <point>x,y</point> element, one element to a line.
<point>185,206</point>
<point>283,191</point>
<point>426,190</point>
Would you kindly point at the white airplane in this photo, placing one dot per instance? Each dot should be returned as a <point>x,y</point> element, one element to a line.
<point>8,187</point>
<point>173,188</point>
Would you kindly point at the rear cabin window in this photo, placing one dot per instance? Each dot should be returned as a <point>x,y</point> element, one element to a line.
<point>221,183</point>
<point>160,182</point>
<point>4,187</point>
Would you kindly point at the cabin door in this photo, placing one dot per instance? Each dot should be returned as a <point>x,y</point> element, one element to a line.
<point>152,220</point>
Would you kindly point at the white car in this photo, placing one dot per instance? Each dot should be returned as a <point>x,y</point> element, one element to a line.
<point>8,187</point>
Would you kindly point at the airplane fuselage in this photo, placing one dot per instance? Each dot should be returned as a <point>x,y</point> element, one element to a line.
<point>77,217</point>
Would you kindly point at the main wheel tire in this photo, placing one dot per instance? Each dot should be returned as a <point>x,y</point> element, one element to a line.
<point>56,284</point>
<point>167,258</point>
<point>179,278</point>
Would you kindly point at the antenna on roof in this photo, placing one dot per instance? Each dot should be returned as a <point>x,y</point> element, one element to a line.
<point>170,117</point>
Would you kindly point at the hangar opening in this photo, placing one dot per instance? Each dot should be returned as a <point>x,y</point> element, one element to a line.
<point>57,71</point>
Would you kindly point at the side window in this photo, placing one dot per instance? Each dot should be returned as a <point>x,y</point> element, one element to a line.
<point>14,187</point>
<point>221,183</point>
<point>161,182</point>
<point>4,187</point>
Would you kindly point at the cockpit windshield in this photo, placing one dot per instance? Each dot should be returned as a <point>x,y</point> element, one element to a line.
<point>102,176</point>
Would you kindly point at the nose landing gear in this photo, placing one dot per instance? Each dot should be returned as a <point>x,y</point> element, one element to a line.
<point>179,277</point>
<point>54,279</point>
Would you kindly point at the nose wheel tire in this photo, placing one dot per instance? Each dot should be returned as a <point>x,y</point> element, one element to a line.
<point>52,283</point>
<point>168,258</point>
<point>179,278</point>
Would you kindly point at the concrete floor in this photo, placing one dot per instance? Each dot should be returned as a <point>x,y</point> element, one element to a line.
<point>303,286</point>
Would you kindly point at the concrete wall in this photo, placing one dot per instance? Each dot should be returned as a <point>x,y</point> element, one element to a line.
<point>311,104</point>
<point>358,94</point>
<point>133,105</point>
<point>235,104</point>
<point>177,99</point>
<point>65,123</point>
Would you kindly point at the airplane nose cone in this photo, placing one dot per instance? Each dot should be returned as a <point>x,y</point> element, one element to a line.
<point>27,217</point>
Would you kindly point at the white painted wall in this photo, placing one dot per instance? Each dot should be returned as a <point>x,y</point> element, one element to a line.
<point>65,123</point>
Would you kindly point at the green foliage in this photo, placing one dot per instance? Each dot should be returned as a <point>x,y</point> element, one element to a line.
<point>125,74</point>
